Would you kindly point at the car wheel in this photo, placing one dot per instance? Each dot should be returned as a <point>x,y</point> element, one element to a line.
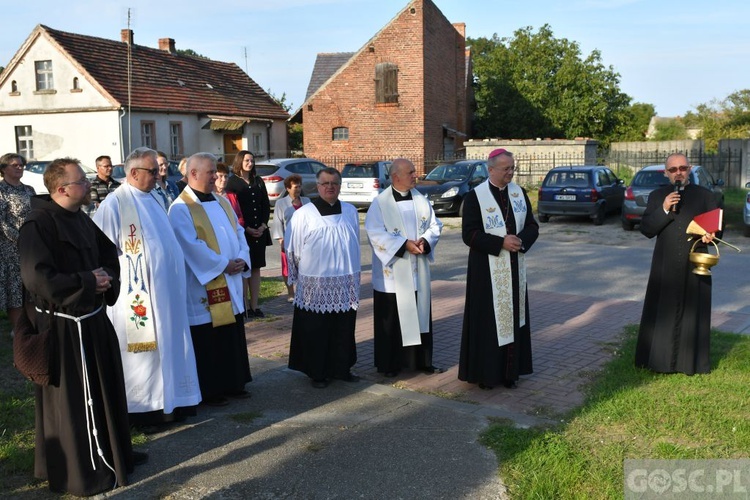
<point>600,215</point>
<point>543,218</point>
<point>627,225</point>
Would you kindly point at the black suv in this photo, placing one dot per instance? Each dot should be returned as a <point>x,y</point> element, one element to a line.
<point>592,191</point>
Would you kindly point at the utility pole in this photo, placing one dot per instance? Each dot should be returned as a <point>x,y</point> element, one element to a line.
<point>130,50</point>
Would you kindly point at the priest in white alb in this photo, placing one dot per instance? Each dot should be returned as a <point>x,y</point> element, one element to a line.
<point>322,246</point>
<point>150,315</point>
<point>403,233</point>
<point>216,259</point>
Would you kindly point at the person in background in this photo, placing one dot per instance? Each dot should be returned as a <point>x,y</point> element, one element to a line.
<point>256,211</point>
<point>282,213</point>
<point>182,167</point>
<point>322,247</point>
<point>216,259</point>
<point>150,315</point>
<point>499,228</point>
<point>403,232</point>
<point>15,203</point>
<point>166,189</point>
<point>103,183</point>
<point>71,270</point>
<point>222,176</point>
<point>675,327</point>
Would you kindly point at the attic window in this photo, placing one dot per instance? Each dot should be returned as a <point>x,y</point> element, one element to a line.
<point>14,88</point>
<point>386,83</point>
<point>44,80</point>
<point>76,85</point>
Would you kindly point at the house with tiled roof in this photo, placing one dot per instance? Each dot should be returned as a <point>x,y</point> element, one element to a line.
<point>66,94</point>
<point>406,92</point>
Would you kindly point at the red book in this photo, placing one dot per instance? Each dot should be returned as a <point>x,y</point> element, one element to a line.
<point>709,222</point>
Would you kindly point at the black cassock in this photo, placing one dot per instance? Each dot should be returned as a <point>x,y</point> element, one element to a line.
<point>59,249</point>
<point>676,321</point>
<point>481,360</point>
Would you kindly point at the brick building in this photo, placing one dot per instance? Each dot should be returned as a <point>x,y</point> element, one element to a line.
<point>406,92</point>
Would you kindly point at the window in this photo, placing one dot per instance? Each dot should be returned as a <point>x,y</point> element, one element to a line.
<point>148,135</point>
<point>76,84</point>
<point>175,139</point>
<point>301,167</point>
<point>13,87</point>
<point>386,83</point>
<point>24,141</point>
<point>258,145</point>
<point>341,134</point>
<point>44,79</point>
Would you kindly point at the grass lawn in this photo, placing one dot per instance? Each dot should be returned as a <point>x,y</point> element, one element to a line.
<point>631,413</point>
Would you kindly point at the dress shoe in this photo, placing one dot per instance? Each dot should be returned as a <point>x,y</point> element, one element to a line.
<point>215,401</point>
<point>350,377</point>
<point>258,314</point>
<point>139,457</point>
<point>433,369</point>
<point>320,384</point>
<point>485,387</point>
<point>243,394</point>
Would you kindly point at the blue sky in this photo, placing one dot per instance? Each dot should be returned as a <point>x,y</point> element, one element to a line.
<point>672,54</point>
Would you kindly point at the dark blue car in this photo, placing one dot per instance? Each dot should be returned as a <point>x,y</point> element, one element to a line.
<point>591,191</point>
<point>447,185</point>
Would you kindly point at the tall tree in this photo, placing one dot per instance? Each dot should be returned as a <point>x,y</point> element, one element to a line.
<point>634,124</point>
<point>535,85</point>
<point>728,118</point>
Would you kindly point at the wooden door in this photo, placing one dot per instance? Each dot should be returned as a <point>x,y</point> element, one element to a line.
<point>232,145</point>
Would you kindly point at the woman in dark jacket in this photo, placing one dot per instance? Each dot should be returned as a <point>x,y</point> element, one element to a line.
<point>256,210</point>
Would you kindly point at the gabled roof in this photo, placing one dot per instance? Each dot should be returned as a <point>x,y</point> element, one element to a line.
<point>325,66</point>
<point>164,81</point>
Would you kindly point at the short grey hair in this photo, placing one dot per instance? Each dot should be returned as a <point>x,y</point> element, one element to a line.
<point>136,156</point>
<point>200,156</point>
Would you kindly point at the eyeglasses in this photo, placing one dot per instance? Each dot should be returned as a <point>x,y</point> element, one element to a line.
<point>152,171</point>
<point>329,184</point>
<point>681,168</point>
<point>82,182</point>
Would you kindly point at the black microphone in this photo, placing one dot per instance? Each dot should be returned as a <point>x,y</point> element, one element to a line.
<point>677,186</point>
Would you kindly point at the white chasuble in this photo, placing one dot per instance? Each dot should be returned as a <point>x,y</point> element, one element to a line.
<point>165,378</point>
<point>323,257</point>
<point>389,224</point>
<point>203,264</point>
<point>500,269</point>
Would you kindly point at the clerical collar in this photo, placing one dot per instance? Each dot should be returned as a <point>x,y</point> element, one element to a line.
<point>401,196</point>
<point>326,208</point>
<point>497,187</point>
<point>203,197</point>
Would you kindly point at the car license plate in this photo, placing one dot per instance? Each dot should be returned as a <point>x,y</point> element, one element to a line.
<point>354,185</point>
<point>565,197</point>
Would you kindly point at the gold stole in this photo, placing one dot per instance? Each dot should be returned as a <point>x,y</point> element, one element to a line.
<point>217,291</point>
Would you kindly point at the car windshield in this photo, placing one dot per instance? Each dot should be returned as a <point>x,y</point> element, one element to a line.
<point>450,172</point>
<point>652,178</point>
<point>368,171</point>
<point>36,167</point>
<point>264,170</point>
<point>567,178</point>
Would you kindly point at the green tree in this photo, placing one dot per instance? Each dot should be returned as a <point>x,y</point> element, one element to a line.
<point>191,53</point>
<point>670,130</point>
<point>536,85</point>
<point>728,118</point>
<point>634,124</point>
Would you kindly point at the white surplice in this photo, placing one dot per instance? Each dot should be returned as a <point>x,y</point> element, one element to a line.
<point>203,264</point>
<point>323,257</point>
<point>166,378</point>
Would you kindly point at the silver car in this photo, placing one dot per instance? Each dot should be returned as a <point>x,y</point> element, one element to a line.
<point>274,171</point>
<point>652,177</point>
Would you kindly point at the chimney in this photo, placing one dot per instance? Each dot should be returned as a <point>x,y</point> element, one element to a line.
<point>126,36</point>
<point>167,44</point>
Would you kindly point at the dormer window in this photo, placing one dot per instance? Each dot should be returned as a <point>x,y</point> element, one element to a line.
<point>44,80</point>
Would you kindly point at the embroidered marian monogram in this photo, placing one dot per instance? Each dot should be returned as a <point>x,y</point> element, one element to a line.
<point>494,221</point>
<point>519,206</point>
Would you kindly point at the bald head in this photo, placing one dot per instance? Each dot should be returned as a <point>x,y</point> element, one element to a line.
<point>403,174</point>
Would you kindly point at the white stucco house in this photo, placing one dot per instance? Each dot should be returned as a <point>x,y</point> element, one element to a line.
<point>65,94</point>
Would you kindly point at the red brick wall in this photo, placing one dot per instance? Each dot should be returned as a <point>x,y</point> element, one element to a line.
<point>429,53</point>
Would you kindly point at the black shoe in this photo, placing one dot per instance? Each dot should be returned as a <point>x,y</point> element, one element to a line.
<point>510,384</point>
<point>258,314</point>
<point>243,394</point>
<point>215,401</point>
<point>485,387</point>
<point>433,369</point>
<point>320,384</point>
<point>350,377</point>
<point>139,457</point>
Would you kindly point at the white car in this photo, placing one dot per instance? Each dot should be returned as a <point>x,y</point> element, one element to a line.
<point>362,182</point>
<point>33,174</point>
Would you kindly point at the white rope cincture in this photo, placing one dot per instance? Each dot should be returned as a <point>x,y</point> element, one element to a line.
<point>88,400</point>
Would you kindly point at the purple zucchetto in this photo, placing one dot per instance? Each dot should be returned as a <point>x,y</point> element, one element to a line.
<point>496,152</point>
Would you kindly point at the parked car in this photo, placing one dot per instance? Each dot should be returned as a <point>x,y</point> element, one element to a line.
<point>362,182</point>
<point>651,177</point>
<point>746,213</point>
<point>173,171</point>
<point>591,190</point>
<point>33,174</point>
<point>274,171</point>
<point>447,185</point>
